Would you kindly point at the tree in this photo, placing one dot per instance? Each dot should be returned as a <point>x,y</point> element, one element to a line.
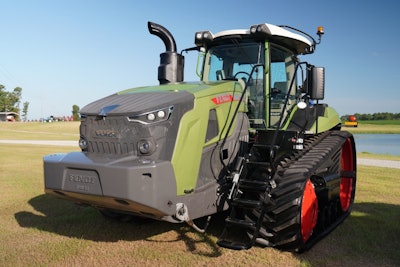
<point>75,113</point>
<point>3,99</point>
<point>374,116</point>
<point>25,110</point>
<point>10,101</point>
<point>15,99</point>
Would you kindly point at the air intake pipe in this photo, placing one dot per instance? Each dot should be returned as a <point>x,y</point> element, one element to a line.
<point>171,63</point>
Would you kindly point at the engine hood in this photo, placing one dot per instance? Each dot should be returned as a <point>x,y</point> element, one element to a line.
<point>136,101</point>
<point>142,99</point>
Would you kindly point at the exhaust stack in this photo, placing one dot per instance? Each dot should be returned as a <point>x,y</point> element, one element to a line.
<point>171,63</point>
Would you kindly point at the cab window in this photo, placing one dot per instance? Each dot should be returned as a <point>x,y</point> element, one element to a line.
<point>240,61</point>
<point>282,70</point>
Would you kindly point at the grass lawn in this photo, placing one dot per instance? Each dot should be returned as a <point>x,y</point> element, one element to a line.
<point>375,127</point>
<point>39,131</point>
<point>39,230</point>
<point>382,122</point>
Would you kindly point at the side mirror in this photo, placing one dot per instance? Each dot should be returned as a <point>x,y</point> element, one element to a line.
<point>316,85</point>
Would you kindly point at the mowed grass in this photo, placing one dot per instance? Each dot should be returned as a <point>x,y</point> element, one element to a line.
<point>40,230</point>
<point>39,131</point>
<point>382,122</point>
<point>375,127</point>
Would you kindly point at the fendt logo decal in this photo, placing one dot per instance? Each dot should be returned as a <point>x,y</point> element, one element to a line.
<point>79,178</point>
<point>105,133</point>
<point>224,98</point>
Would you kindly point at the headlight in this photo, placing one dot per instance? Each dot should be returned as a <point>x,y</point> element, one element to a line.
<point>161,114</point>
<point>151,116</point>
<point>146,147</point>
<point>154,116</point>
<point>203,38</point>
<point>83,143</point>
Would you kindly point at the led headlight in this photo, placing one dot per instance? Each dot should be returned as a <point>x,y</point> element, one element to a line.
<point>203,38</point>
<point>83,143</point>
<point>152,116</point>
<point>260,30</point>
<point>161,114</point>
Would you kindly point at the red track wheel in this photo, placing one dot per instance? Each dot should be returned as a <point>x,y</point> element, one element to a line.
<point>347,183</point>
<point>309,211</point>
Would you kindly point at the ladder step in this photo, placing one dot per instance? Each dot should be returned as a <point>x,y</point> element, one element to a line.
<point>233,245</point>
<point>240,223</point>
<point>246,203</point>
<point>259,163</point>
<point>253,185</point>
<point>259,145</point>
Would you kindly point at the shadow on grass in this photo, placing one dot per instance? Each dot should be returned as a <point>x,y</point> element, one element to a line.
<point>370,236</point>
<point>65,218</point>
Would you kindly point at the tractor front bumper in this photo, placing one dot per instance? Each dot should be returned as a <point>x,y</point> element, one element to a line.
<point>143,187</point>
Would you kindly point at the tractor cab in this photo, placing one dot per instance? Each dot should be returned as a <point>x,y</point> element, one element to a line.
<point>264,59</point>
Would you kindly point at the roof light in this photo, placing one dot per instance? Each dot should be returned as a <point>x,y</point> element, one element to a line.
<point>203,38</point>
<point>320,30</point>
<point>260,30</point>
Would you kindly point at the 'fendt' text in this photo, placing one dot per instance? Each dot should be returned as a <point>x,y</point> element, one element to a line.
<point>105,133</point>
<point>85,179</point>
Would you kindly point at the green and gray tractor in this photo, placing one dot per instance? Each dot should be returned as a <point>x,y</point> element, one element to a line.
<point>250,141</point>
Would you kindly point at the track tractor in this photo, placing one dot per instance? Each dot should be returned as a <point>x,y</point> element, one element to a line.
<point>249,141</point>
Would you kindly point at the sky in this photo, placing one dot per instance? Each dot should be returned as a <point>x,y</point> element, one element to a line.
<point>72,52</point>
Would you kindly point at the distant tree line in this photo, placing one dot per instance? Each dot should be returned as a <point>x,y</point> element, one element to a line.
<point>11,101</point>
<point>374,116</point>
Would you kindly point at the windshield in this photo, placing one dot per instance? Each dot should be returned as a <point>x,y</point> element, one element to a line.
<point>243,62</point>
<point>232,61</point>
<point>266,89</point>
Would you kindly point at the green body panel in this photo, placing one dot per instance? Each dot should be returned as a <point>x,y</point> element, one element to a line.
<point>327,122</point>
<point>222,96</point>
<point>200,89</point>
<point>191,137</point>
<point>165,87</point>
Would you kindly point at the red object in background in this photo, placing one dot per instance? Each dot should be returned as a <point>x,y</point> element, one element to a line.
<point>352,118</point>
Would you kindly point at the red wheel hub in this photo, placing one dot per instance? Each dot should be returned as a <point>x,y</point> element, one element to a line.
<point>309,211</point>
<point>346,183</point>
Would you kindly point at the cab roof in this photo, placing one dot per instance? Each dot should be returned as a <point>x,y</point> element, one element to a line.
<point>276,34</point>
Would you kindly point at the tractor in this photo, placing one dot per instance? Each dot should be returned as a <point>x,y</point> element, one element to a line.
<point>249,141</point>
<point>351,121</point>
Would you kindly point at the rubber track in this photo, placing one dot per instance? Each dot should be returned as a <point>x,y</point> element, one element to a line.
<point>281,223</point>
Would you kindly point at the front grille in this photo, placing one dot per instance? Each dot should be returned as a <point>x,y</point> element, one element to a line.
<point>110,135</point>
<point>117,148</point>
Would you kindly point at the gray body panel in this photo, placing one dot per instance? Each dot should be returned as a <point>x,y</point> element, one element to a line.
<point>129,185</point>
